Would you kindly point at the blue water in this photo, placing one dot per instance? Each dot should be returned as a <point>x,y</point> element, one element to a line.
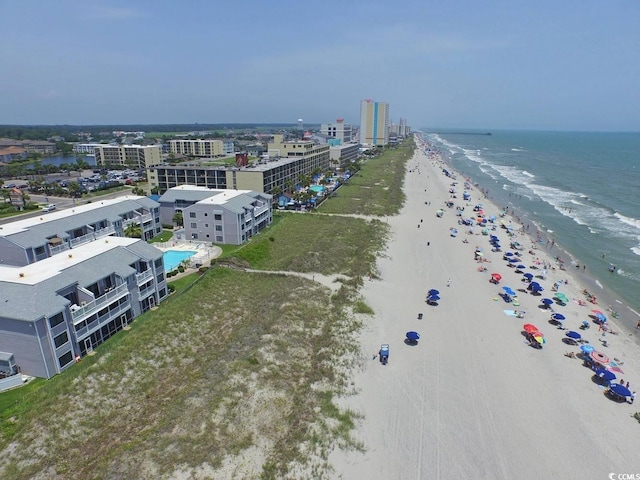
<point>58,160</point>
<point>580,190</point>
<point>172,258</point>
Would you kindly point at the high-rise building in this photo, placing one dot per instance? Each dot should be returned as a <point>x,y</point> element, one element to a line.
<point>133,156</point>
<point>338,130</point>
<point>374,123</point>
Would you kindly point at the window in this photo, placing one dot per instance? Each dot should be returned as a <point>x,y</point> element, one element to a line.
<point>65,359</point>
<point>39,250</point>
<point>218,228</point>
<point>194,225</point>
<point>194,236</point>
<point>158,263</point>
<point>57,319</point>
<point>218,238</point>
<point>206,225</point>
<point>61,339</point>
<point>192,214</point>
<point>206,214</point>
<point>217,216</point>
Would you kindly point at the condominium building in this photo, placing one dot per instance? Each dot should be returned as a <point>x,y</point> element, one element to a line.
<point>87,148</point>
<point>338,130</point>
<point>217,216</point>
<point>342,155</point>
<point>286,161</point>
<point>202,148</point>
<point>133,156</point>
<point>374,123</point>
<point>69,281</point>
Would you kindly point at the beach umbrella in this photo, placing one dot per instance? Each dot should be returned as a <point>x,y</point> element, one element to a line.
<point>597,312</point>
<point>509,291</point>
<point>599,357</point>
<point>547,301</point>
<point>539,337</point>
<point>605,374</point>
<point>561,296</point>
<point>601,318</point>
<point>558,317</point>
<point>497,276</point>
<point>536,287</point>
<point>508,254</point>
<point>433,291</point>
<point>529,328</point>
<point>573,335</point>
<point>433,298</point>
<point>521,266</point>
<point>587,348</point>
<point>620,390</point>
<point>413,335</point>
<point>528,276</point>
<point>513,260</point>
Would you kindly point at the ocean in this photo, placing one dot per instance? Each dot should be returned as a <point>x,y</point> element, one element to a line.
<point>580,190</point>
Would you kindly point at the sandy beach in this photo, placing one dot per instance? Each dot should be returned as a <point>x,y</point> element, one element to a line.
<point>473,399</point>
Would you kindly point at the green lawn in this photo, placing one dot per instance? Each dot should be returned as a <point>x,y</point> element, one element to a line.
<point>165,236</point>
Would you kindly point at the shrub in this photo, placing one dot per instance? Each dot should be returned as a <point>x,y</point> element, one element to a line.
<point>181,269</point>
<point>203,269</point>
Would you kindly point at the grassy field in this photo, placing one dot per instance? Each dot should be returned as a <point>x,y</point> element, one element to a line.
<point>234,376</point>
<point>165,236</point>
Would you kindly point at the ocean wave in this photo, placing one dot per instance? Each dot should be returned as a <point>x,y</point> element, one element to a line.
<point>517,149</point>
<point>636,250</point>
<point>524,172</point>
<point>634,222</point>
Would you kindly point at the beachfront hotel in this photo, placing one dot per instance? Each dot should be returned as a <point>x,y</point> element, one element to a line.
<point>218,216</point>
<point>338,130</point>
<point>70,279</point>
<point>374,123</point>
<point>202,148</point>
<point>133,156</point>
<point>287,160</point>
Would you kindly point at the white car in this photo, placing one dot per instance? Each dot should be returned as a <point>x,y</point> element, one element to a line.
<point>49,208</point>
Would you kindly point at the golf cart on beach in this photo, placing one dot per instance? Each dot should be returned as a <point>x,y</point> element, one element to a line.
<point>384,353</point>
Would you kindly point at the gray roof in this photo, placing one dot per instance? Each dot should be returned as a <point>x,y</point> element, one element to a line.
<point>171,195</point>
<point>31,302</point>
<point>37,235</point>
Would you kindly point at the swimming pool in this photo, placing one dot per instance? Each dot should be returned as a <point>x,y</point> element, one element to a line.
<point>172,258</point>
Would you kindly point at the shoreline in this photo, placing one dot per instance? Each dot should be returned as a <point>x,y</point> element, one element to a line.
<point>606,295</point>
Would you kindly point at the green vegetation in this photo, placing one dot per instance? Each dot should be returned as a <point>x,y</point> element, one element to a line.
<point>377,188</point>
<point>165,236</point>
<point>235,368</point>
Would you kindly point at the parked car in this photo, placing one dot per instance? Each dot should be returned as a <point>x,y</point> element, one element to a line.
<point>49,208</point>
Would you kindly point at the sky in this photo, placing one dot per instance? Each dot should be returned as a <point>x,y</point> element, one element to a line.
<point>495,64</point>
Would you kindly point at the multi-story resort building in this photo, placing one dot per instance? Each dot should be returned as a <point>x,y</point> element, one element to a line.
<point>287,160</point>
<point>31,146</point>
<point>202,148</point>
<point>343,155</point>
<point>339,130</point>
<point>87,148</point>
<point>69,280</point>
<point>374,123</point>
<point>133,156</point>
<point>217,216</point>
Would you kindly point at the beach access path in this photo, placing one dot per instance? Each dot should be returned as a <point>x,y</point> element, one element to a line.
<point>472,399</point>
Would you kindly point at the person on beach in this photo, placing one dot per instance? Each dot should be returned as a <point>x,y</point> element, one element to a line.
<point>449,283</point>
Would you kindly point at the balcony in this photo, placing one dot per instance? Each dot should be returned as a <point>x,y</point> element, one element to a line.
<point>144,277</point>
<point>105,232</point>
<point>84,331</point>
<point>58,248</point>
<point>82,240</point>
<point>146,292</point>
<point>80,313</point>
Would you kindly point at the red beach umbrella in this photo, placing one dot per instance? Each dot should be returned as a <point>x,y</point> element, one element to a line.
<point>599,357</point>
<point>497,276</point>
<point>530,328</point>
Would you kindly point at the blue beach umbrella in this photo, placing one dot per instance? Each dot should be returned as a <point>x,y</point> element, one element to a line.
<point>433,291</point>
<point>587,348</point>
<point>509,291</point>
<point>433,298</point>
<point>547,301</point>
<point>521,266</point>
<point>508,254</point>
<point>528,276</point>
<point>573,335</point>
<point>620,390</point>
<point>605,374</point>
<point>558,317</point>
<point>413,335</point>
<point>601,318</point>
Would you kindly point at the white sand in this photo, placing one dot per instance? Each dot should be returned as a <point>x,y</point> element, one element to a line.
<point>472,399</point>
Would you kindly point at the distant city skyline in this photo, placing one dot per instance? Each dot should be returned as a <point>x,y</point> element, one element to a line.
<point>496,65</point>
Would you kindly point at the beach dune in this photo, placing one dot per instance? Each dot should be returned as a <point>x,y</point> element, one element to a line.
<point>472,399</point>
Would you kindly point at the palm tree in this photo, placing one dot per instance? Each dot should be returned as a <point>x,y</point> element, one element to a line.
<point>177,219</point>
<point>133,230</point>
